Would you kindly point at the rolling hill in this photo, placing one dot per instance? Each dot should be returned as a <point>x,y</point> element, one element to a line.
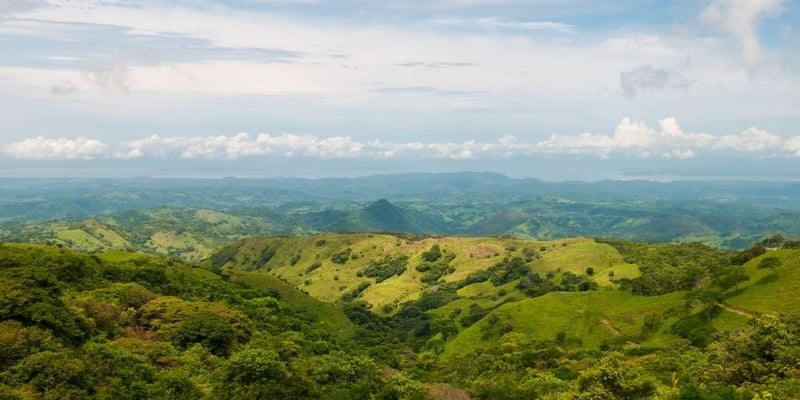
<point>579,289</point>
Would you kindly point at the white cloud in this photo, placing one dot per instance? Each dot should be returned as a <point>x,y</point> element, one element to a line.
<point>41,148</point>
<point>792,145</point>
<point>630,139</point>
<point>740,19</point>
<point>751,140</point>
<point>679,154</point>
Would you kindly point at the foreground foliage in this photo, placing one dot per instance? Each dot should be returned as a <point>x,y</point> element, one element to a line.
<point>132,326</point>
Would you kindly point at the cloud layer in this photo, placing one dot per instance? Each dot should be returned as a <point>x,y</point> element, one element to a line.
<point>41,148</point>
<point>629,139</point>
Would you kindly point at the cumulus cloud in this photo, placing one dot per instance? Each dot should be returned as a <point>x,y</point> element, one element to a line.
<point>289,145</point>
<point>645,78</point>
<point>679,154</point>
<point>740,19</point>
<point>630,138</point>
<point>792,145</point>
<point>41,148</point>
<point>752,140</point>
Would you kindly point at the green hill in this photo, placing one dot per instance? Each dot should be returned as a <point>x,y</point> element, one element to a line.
<point>332,266</point>
<point>134,326</point>
<point>419,317</point>
<point>189,234</point>
<point>492,310</point>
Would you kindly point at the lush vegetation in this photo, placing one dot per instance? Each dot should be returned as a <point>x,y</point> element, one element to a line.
<point>490,318</point>
<point>690,296</point>
<point>126,326</point>
<point>401,317</point>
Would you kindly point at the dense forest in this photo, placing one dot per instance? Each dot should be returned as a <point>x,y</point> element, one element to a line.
<point>403,317</point>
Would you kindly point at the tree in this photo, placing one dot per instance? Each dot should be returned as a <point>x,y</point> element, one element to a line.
<point>208,329</point>
<point>56,375</point>
<point>252,374</point>
<point>770,262</point>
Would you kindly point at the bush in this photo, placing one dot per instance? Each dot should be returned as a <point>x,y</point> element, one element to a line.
<point>342,256</point>
<point>313,267</point>
<point>433,254</point>
<point>386,268</point>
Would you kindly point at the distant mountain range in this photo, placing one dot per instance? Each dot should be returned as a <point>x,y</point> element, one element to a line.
<point>190,219</point>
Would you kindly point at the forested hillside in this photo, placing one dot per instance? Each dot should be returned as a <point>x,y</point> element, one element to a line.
<point>403,317</point>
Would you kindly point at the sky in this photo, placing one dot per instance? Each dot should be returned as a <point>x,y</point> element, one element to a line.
<point>552,89</point>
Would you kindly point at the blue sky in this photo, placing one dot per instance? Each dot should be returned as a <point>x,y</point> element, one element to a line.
<point>318,87</point>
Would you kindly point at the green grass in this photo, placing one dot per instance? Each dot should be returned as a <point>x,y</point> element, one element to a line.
<point>589,317</point>
<point>577,254</point>
<point>294,256</point>
<point>79,239</point>
<point>329,317</point>
<point>119,256</point>
<point>771,291</point>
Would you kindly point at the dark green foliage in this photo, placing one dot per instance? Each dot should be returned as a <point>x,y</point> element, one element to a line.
<point>769,262</point>
<point>223,256</point>
<point>477,277</point>
<point>118,373</point>
<point>437,297</point>
<point>731,279</point>
<point>253,374</point>
<point>352,295</point>
<point>508,270</point>
<point>386,268</point>
<point>313,267</point>
<point>434,270</point>
<point>574,283</point>
<point>744,256</point>
<point>141,271</point>
<point>433,254</point>
<point>670,268</point>
<point>774,242</point>
<point>54,375</point>
<point>209,330</point>
<point>696,329</point>
<point>266,254</point>
<point>475,314</point>
<point>175,385</point>
<point>691,391</point>
<point>153,329</point>
<point>33,297</point>
<point>341,257</point>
